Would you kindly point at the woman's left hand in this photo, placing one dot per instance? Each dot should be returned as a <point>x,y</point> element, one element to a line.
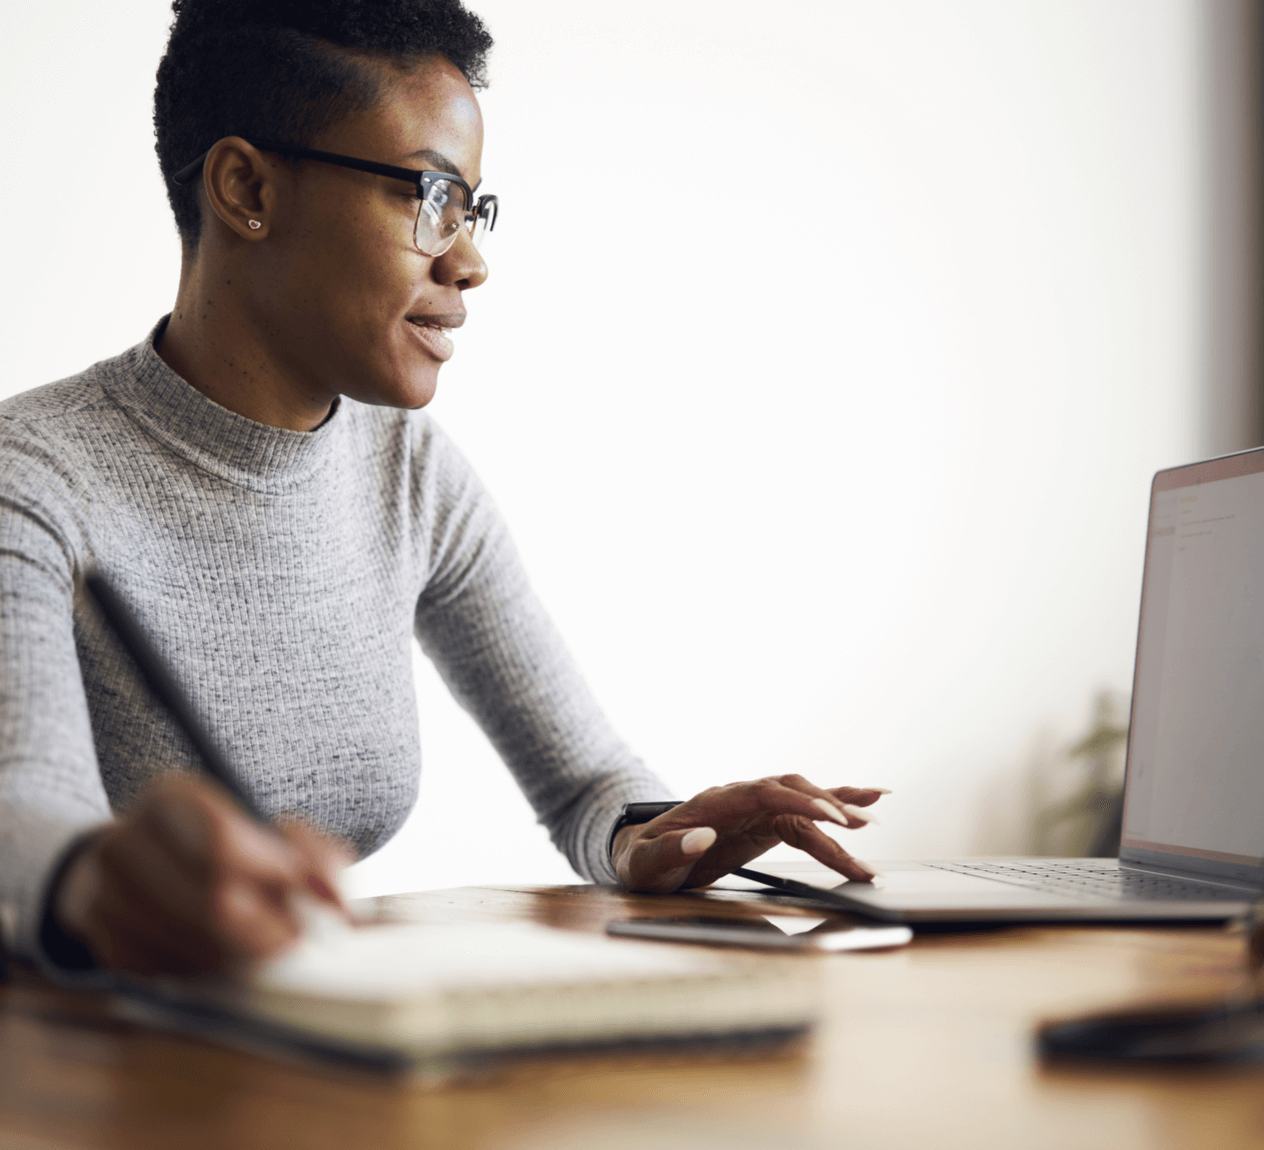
<point>723,828</point>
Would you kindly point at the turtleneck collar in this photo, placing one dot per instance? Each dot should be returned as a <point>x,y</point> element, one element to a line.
<point>250,454</point>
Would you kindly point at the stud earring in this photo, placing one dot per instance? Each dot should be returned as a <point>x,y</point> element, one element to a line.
<point>255,225</point>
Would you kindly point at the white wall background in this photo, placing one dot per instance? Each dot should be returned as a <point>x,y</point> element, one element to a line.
<point>822,371</point>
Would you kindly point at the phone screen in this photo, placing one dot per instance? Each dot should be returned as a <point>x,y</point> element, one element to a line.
<point>768,932</point>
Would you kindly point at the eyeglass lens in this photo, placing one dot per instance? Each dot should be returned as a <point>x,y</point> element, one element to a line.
<point>442,213</point>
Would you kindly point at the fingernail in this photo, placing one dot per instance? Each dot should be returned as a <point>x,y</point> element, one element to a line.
<point>323,889</point>
<point>876,790</point>
<point>854,812</point>
<point>871,871</point>
<point>319,919</point>
<point>830,811</point>
<point>698,840</point>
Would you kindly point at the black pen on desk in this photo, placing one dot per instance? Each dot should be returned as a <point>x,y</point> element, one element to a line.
<point>163,683</point>
<point>784,885</point>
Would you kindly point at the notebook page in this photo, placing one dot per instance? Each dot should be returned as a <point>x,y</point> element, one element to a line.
<point>404,960</point>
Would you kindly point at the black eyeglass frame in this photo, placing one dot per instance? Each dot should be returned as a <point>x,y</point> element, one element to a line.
<point>485,207</point>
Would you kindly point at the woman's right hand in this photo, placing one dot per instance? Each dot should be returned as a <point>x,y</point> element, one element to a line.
<point>187,883</point>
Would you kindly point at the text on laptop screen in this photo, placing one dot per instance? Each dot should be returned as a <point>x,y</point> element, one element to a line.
<point>1196,751</point>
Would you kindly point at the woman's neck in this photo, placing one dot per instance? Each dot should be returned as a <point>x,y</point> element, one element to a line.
<point>215,343</point>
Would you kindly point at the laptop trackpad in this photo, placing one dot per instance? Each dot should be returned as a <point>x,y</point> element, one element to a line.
<point>928,887</point>
<point>912,884</point>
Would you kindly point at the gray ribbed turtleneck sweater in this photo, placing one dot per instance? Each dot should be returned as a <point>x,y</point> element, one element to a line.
<point>283,575</point>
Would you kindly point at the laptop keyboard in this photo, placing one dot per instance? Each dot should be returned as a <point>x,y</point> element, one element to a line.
<point>1093,879</point>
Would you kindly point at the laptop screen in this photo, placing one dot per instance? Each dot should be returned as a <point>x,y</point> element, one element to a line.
<point>1195,776</point>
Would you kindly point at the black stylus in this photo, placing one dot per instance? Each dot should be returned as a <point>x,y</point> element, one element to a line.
<point>785,885</point>
<point>163,684</point>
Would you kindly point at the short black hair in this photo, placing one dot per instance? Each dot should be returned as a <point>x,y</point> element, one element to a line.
<point>289,69</point>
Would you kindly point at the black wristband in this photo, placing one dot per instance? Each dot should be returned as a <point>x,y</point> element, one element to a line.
<point>634,814</point>
<point>63,951</point>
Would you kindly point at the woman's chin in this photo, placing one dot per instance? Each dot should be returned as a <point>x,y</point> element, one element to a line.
<point>409,392</point>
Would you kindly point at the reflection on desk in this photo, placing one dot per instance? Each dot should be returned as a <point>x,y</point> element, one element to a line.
<point>929,1046</point>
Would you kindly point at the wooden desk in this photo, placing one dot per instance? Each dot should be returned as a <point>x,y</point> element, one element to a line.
<point>924,1047</point>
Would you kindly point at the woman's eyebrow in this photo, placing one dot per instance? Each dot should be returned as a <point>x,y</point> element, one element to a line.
<point>438,159</point>
<point>442,163</point>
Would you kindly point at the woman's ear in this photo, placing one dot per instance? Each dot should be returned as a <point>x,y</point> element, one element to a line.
<point>239,182</point>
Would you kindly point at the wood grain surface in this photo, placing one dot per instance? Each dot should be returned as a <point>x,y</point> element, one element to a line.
<point>928,1046</point>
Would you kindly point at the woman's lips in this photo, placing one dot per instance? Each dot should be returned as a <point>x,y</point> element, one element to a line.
<point>434,339</point>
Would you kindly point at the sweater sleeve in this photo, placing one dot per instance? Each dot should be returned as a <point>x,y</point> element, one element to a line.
<point>501,656</point>
<point>50,786</point>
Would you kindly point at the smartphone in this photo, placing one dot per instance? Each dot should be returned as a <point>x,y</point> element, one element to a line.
<point>763,933</point>
<point>1196,1033</point>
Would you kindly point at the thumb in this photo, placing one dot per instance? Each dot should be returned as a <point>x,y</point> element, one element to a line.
<point>659,865</point>
<point>323,857</point>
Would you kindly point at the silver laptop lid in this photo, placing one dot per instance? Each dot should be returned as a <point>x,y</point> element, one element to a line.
<point>1194,797</point>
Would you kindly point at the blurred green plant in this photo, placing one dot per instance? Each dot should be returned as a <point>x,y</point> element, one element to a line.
<point>1086,817</point>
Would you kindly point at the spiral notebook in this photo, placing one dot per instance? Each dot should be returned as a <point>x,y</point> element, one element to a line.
<point>397,995</point>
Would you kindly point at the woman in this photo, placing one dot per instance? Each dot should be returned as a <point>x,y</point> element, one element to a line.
<point>260,480</point>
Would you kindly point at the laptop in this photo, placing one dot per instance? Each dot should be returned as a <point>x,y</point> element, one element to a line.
<point>1192,843</point>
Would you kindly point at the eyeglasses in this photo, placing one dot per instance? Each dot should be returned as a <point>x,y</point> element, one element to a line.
<point>445,202</point>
